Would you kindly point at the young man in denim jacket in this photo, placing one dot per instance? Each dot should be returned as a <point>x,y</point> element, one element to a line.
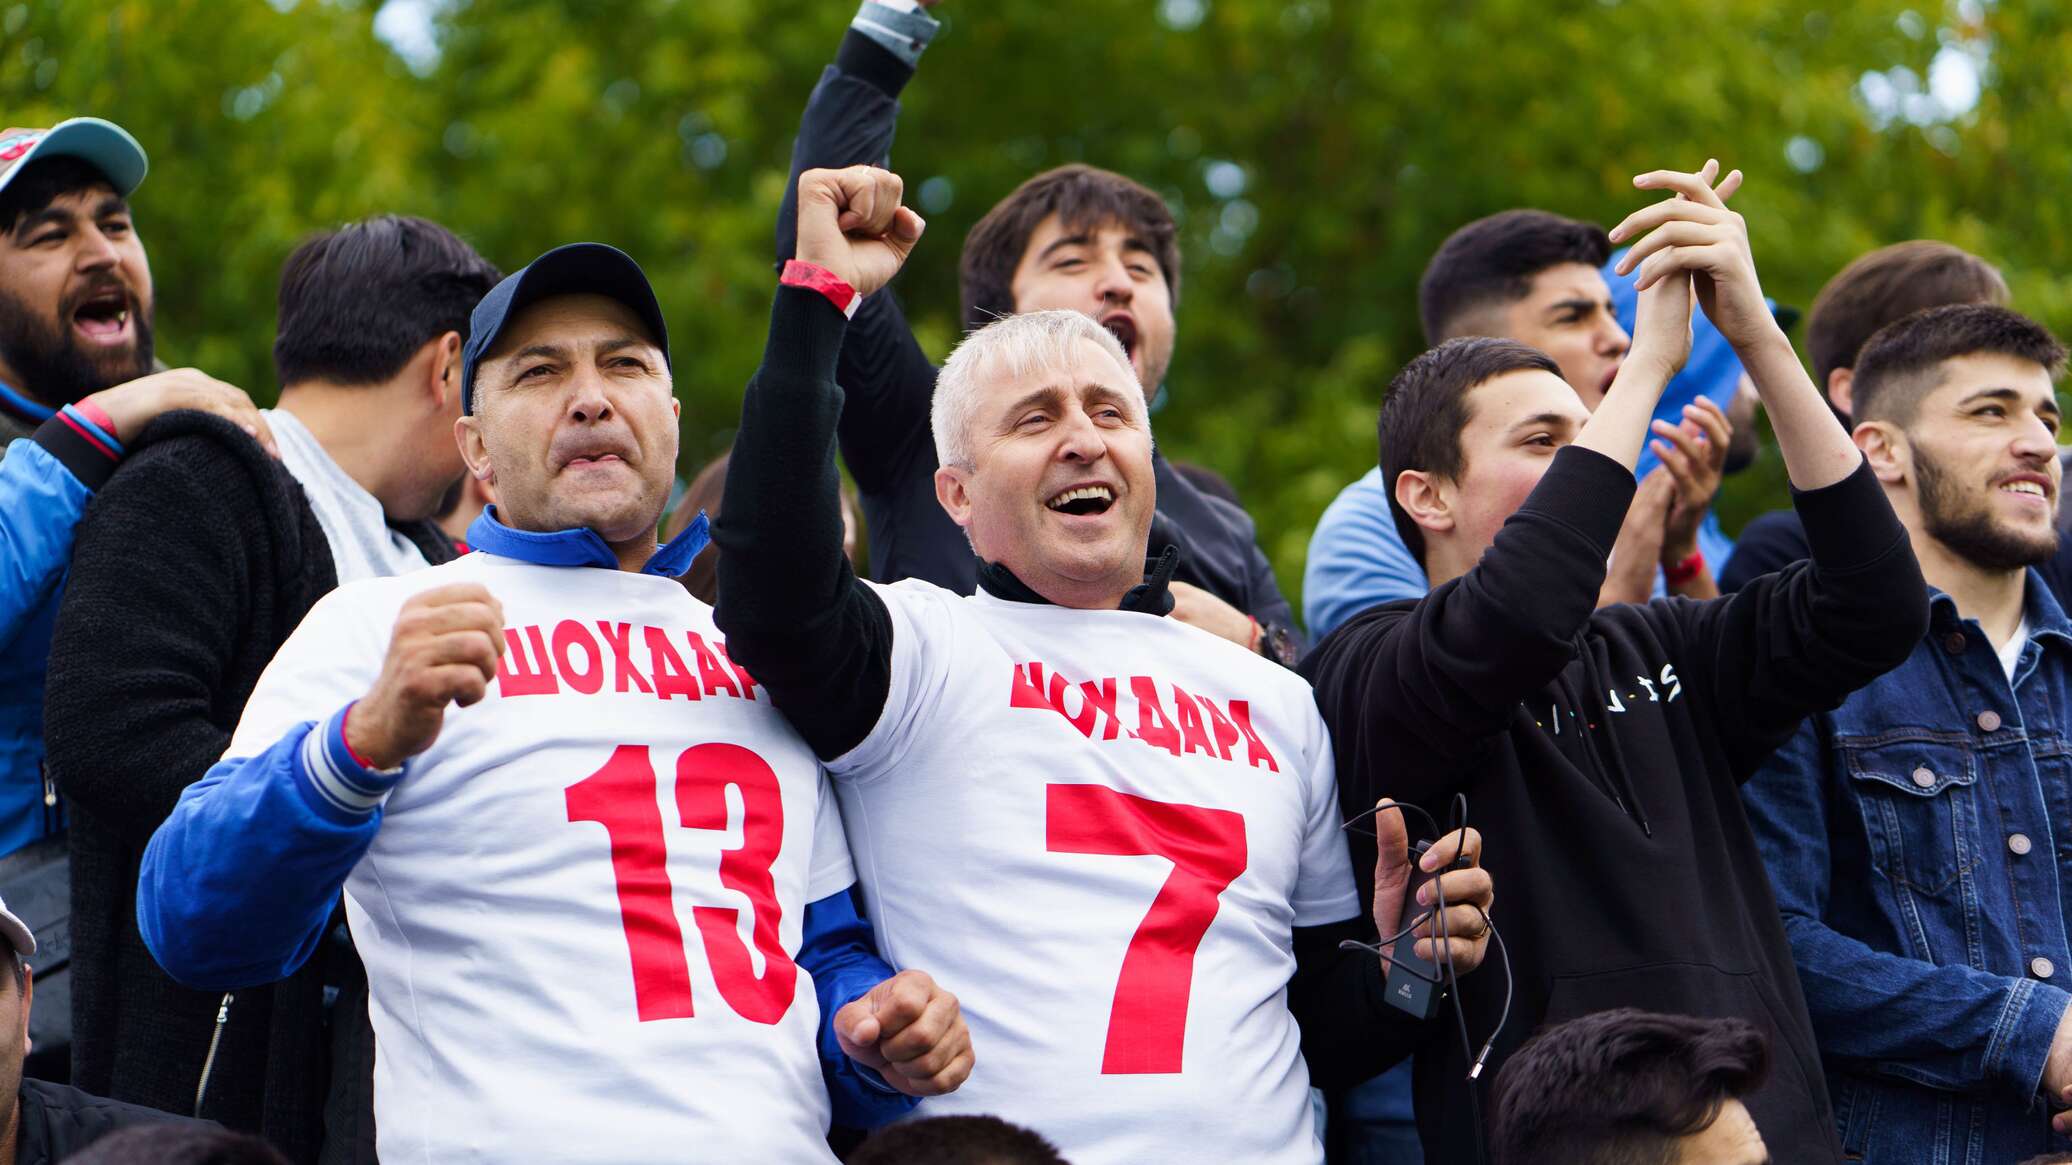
<point>1912,833</point>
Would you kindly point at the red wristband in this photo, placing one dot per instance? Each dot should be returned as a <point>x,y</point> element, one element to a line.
<point>814,277</point>
<point>1684,571</point>
<point>98,415</point>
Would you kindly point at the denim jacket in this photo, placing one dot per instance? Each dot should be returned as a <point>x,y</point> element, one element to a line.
<point>1912,838</point>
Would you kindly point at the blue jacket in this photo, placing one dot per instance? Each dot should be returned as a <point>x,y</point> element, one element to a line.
<point>1911,836</point>
<point>45,483</point>
<point>237,886</point>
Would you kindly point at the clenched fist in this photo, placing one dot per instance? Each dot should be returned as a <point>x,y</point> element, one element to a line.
<point>851,222</point>
<point>135,404</point>
<point>444,650</point>
<point>911,1032</point>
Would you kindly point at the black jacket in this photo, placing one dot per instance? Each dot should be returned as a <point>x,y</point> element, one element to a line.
<point>58,1121</point>
<point>1601,753</point>
<point>885,437</point>
<point>191,567</point>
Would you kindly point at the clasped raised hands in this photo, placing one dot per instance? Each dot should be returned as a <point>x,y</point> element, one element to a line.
<point>1692,234</point>
<point>851,222</point>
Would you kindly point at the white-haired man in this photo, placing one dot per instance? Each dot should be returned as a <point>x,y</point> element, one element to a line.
<point>1115,834</point>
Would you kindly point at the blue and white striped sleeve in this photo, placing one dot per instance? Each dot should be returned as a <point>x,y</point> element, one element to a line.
<point>237,886</point>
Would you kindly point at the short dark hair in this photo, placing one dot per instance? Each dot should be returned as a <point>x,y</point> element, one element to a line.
<point>956,1140</point>
<point>1622,1087</point>
<point>1427,407</point>
<point>17,969</point>
<point>1902,363</point>
<point>177,1142</point>
<point>1886,285</point>
<point>43,182</point>
<point>1083,197</point>
<point>357,302</point>
<point>1491,262</point>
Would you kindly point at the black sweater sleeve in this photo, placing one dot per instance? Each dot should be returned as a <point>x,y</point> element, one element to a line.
<point>885,440</point>
<point>1802,639</point>
<point>143,636</point>
<point>1349,1032</point>
<point>1769,543</point>
<point>1441,676</point>
<point>793,612</point>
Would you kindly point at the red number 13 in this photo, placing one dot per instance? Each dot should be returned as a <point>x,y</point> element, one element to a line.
<point>621,797</point>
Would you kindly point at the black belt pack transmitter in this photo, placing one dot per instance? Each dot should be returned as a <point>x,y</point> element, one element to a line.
<point>1414,985</point>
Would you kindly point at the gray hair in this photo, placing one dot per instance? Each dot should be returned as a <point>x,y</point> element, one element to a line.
<point>1018,346</point>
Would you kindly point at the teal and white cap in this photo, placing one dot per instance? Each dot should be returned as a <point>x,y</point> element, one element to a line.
<point>106,146</point>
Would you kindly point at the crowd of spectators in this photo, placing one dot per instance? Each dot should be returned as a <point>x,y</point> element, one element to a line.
<point>418,768</point>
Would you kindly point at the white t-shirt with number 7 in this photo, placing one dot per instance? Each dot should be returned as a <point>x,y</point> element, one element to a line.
<point>1099,830</point>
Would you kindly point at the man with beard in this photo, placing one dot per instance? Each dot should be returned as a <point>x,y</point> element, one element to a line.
<point>1878,288</point>
<point>75,325</point>
<point>1911,834</point>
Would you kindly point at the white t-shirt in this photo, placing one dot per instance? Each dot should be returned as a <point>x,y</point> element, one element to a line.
<point>362,545</point>
<point>625,805</point>
<point>2010,652</point>
<point>1099,829</point>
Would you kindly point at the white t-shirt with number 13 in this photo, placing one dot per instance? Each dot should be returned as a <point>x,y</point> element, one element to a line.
<point>581,910</point>
<point>1099,829</point>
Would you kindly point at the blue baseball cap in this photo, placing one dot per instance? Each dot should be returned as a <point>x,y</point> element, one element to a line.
<point>573,269</point>
<point>106,146</point>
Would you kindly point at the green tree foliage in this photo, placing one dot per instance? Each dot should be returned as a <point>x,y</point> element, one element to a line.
<point>1315,150</point>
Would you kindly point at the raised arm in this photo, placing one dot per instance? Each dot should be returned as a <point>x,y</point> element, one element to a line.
<point>1692,235</point>
<point>1802,640</point>
<point>793,611</point>
<point>886,377</point>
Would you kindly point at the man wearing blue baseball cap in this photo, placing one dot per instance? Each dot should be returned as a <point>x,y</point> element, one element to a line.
<point>470,701</point>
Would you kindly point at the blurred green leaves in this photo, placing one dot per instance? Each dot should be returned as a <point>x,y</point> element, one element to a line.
<point>1315,150</point>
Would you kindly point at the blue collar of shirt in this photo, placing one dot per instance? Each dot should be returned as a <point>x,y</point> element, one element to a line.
<point>582,547</point>
<point>2039,606</point>
<point>14,402</point>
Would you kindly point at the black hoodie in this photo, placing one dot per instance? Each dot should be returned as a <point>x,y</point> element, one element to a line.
<point>1601,753</point>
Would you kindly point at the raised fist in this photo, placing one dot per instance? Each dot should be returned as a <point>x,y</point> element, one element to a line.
<point>444,650</point>
<point>851,222</point>
<point>134,404</point>
<point>911,1031</point>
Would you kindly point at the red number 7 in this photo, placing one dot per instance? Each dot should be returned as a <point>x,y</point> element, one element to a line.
<point>1147,1024</point>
